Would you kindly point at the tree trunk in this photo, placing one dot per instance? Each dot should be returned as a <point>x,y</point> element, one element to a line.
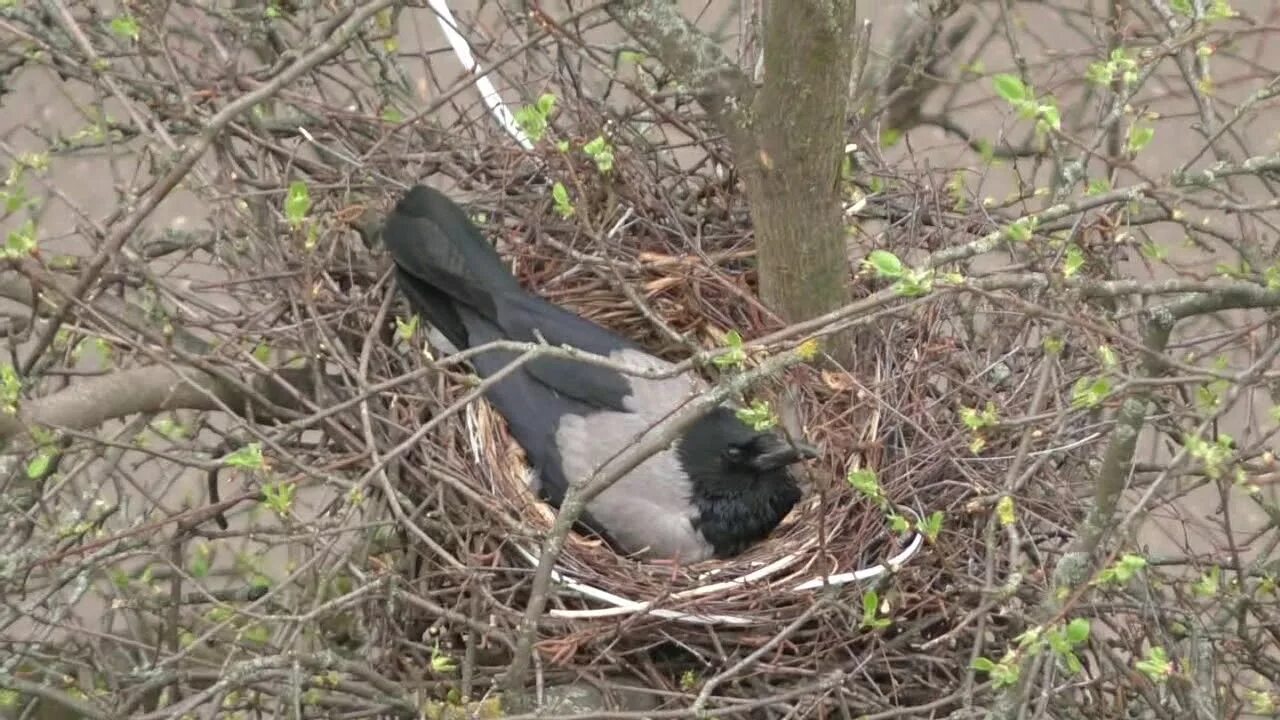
<point>787,137</point>
<point>793,177</point>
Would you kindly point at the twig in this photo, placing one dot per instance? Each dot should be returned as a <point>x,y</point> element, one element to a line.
<point>342,35</point>
<point>488,93</point>
<point>704,695</point>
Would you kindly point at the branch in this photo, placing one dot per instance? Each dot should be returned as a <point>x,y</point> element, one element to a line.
<point>1073,571</point>
<point>914,68</point>
<point>149,389</point>
<point>710,75</point>
<point>188,159</point>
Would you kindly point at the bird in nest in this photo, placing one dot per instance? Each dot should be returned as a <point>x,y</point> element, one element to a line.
<point>719,488</point>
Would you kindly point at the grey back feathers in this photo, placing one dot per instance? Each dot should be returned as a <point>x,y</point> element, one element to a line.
<point>721,487</point>
<point>648,508</point>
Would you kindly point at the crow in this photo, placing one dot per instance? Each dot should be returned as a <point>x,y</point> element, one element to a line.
<point>718,489</point>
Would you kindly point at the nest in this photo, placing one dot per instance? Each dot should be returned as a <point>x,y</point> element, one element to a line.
<point>835,536</point>
<point>832,537</point>
<point>667,262</point>
<point>675,281</point>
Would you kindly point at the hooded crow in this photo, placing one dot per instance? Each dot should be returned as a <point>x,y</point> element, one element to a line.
<point>719,488</point>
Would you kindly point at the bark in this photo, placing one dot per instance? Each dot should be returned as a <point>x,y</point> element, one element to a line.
<point>793,179</point>
<point>787,137</point>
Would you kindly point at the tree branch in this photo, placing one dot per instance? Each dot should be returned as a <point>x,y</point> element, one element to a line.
<point>148,389</point>
<point>710,75</point>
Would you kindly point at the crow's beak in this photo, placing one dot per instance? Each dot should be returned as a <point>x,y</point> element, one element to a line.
<point>785,454</point>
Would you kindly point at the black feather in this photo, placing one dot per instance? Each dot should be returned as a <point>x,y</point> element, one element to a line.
<point>738,505</point>
<point>449,266</point>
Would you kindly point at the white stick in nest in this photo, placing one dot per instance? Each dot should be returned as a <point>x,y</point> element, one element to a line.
<point>488,93</point>
<point>625,606</point>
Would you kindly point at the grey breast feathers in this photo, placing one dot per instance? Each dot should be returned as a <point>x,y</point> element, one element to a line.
<point>647,511</point>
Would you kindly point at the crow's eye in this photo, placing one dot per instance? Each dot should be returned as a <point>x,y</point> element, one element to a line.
<point>733,453</point>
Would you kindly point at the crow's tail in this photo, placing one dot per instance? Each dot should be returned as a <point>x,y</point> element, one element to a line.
<point>445,267</point>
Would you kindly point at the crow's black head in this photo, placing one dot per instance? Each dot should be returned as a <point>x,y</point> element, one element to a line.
<point>741,479</point>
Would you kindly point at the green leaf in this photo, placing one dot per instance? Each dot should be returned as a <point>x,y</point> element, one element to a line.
<point>1122,570</point>
<point>200,561</point>
<point>1260,701</point>
<point>1078,630</point>
<point>279,496</point>
<point>10,388</point>
<point>1089,391</point>
<point>975,419</point>
<point>297,203</point>
<point>406,329</point>
<point>982,664</point>
<point>1050,116</point>
<point>1100,73</point>
<point>759,416</point>
<point>21,242</point>
<point>1011,88</point>
<point>1209,584</point>
<point>248,457</point>
<point>546,104</point>
<point>560,196</point>
<point>884,263</point>
<point>1004,510</point>
<point>931,526</point>
<point>1220,10</point>
<point>169,428</point>
<point>600,151</point>
<point>986,151</point>
<point>125,26</point>
<point>898,524</point>
<point>1021,230</point>
<point>870,601</point>
<point>736,355</point>
<point>864,480</point>
<point>1072,260</point>
<point>38,467</point>
<point>871,610</point>
<point>532,119</point>
<point>914,283</point>
<point>688,680</point>
<point>1140,137</point>
<point>532,122</point>
<point>977,443</point>
<point>256,634</point>
<point>442,663</point>
<point>1156,666</point>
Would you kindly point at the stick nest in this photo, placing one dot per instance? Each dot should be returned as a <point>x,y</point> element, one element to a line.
<point>677,282</point>
<point>670,266</point>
